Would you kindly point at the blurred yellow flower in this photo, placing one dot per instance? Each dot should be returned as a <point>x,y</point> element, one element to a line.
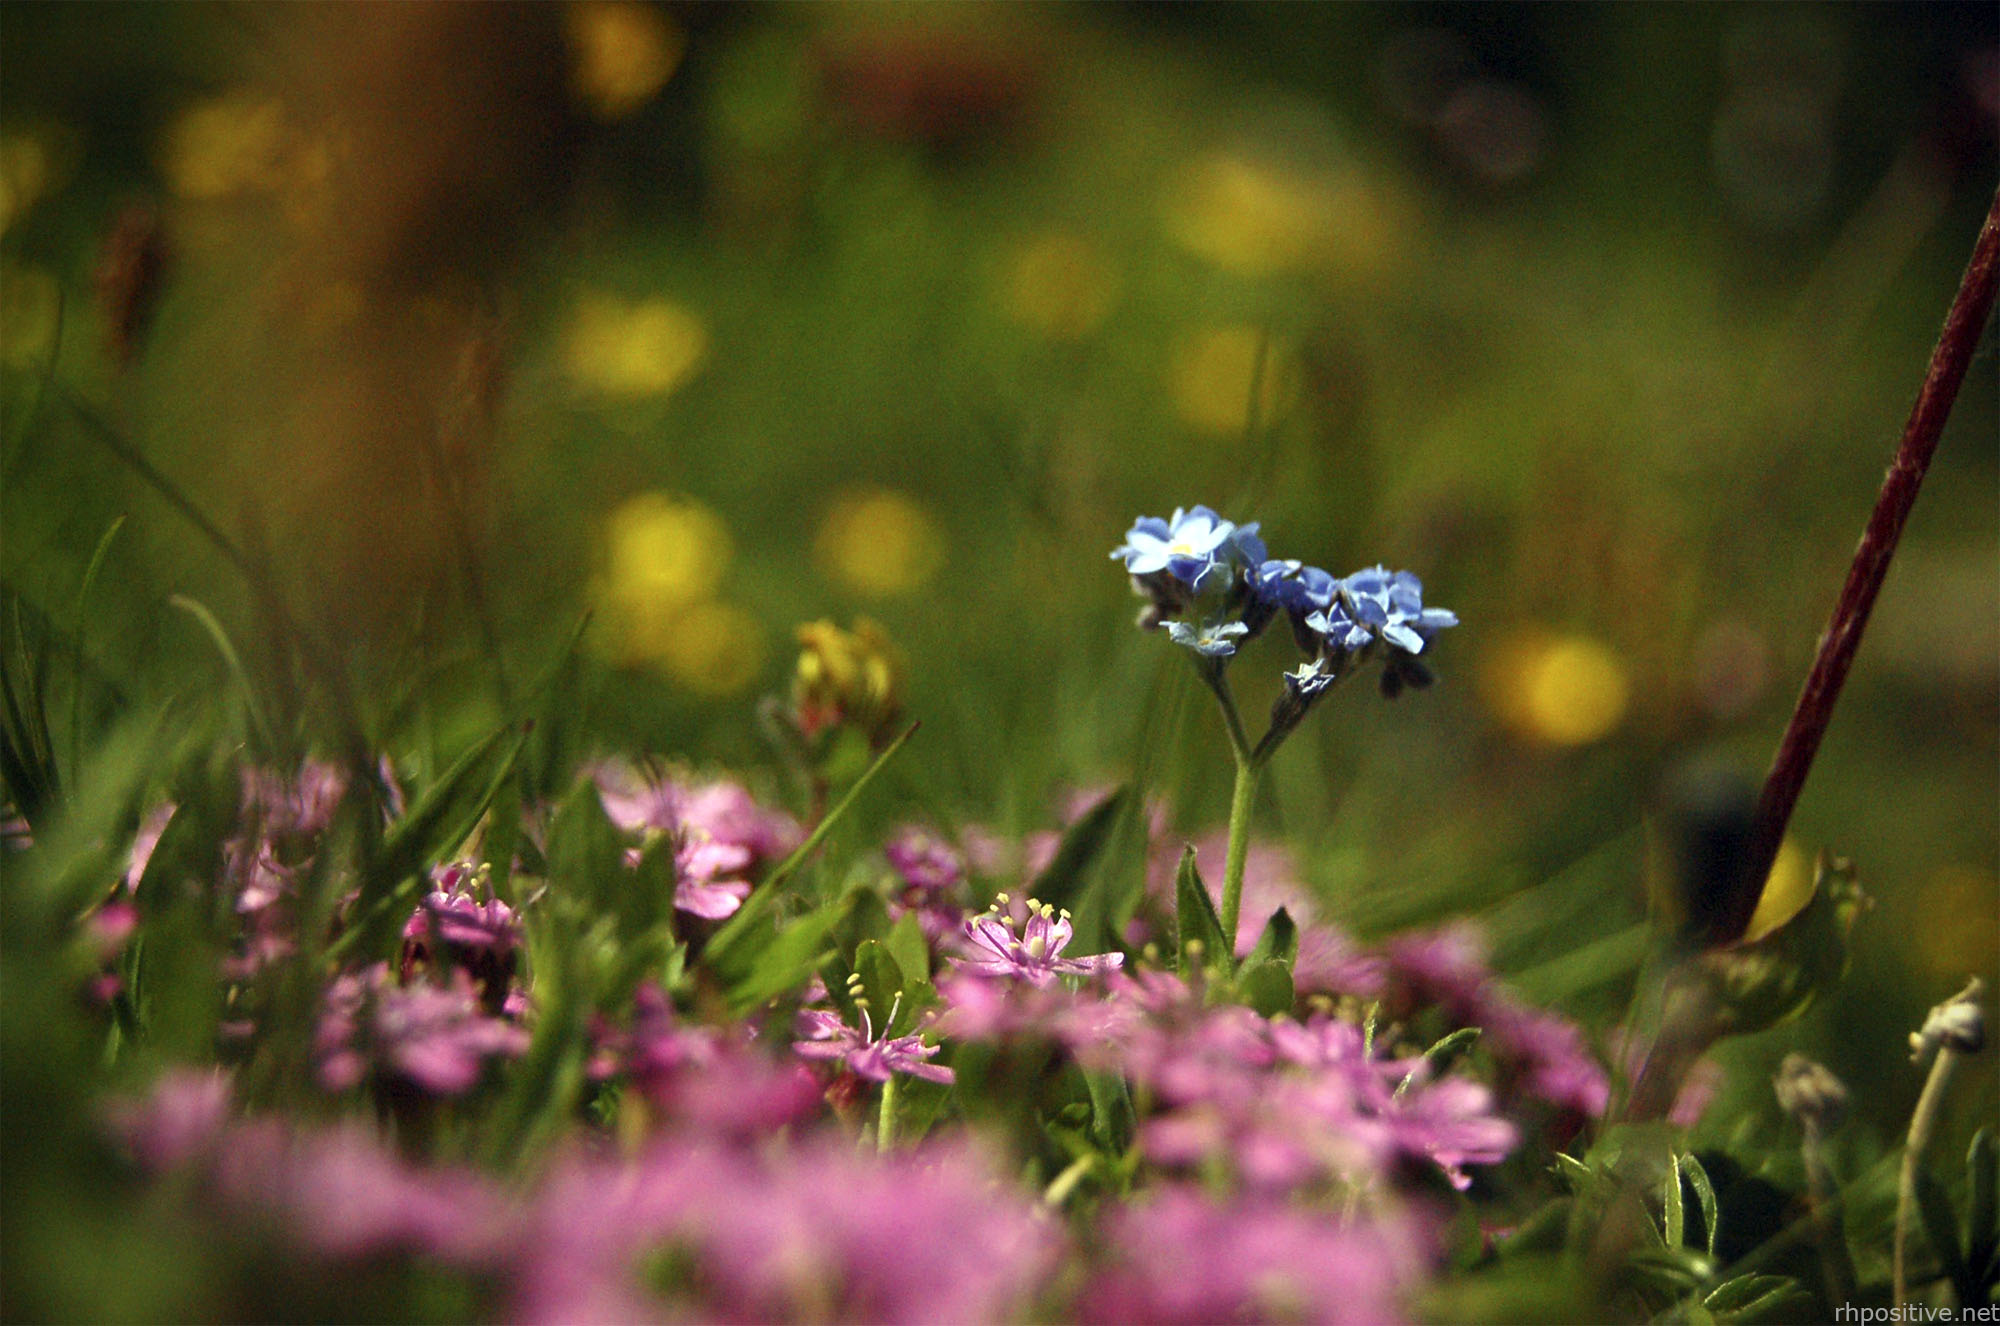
<point>1057,285</point>
<point>1967,894</point>
<point>229,145</point>
<point>624,53</point>
<point>715,649</point>
<point>649,347</point>
<point>1558,690</point>
<point>664,550</point>
<point>30,314</point>
<point>1259,217</point>
<point>1787,889</point>
<point>1211,371</point>
<point>847,677</point>
<point>1245,215</point>
<point>879,542</point>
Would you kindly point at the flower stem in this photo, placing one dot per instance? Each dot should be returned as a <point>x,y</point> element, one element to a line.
<point>1239,848</point>
<point>1066,1182</point>
<point>1213,677</point>
<point>1836,1267</point>
<point>1949,362</point>
<point>885,1127</point>
<point>1922,1124</point>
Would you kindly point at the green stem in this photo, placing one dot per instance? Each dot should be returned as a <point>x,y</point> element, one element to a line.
<point>1922,1124</point>
<point>1239,848</point>
<point>1212,676</point>
<point>885,1129</point>
<point>1836,1266</point>
<point>1065,1183</point>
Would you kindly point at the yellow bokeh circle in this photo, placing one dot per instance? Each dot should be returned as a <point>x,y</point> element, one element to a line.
<point>1211,373</point>
<point>879,542</point>
<point>1057,285</point>
<point>1557,690</point>
<point>623,54</point>
<point>633,350</point>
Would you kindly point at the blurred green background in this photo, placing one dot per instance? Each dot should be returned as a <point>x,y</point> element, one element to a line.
<point>717,320</point>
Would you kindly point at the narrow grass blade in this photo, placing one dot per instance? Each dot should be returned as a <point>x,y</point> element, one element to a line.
<point>761,897</point>
<point>230,660</point>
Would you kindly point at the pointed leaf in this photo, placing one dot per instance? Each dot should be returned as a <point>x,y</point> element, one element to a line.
<point>1675,1215</point>
<point>1731,1296</point>
<point>1575,1171</point>
<point>736,927</point>
<point>1704,1193</point>
<point>1439,1055</point>
<point>233,662</point>
<point>1197,927</point>
<point>1279,942</point>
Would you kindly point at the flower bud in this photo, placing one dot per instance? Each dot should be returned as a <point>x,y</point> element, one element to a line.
<point>1812,1096</point>
<point>1958,1024</point>
<point>847,677</point>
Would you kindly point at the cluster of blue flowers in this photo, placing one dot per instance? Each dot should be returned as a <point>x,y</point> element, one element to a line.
<point>1213,586</point>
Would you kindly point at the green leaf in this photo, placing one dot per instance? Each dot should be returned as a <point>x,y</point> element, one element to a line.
<point>586,851</point>
<point>1734,1293</point>
<point>1278,943</point>
<point>1439,1055</point>
<point>27,752</point>
<point>1061,882</point>
<point>1267,987</point>
<point>90,575</point>
<point>1578,1174</point>
<point>1674,1216</point>
<point>1113,1121</point>
<point>503,834</point>
<point>1704,1193</point>
<point>1749,1297</point>
<point>792,955</point>
<point>260,728</point>
<point>1542,1231</point>
<point>441,819</point>
<point>736,927</point>
<point>918,1105</point>
<point>1752,986</point>
<point>1196,924</point>
<point>1941,1226</point>
<point>906,944</point>
<point>881,985</point>
<point>1982,1210</point>
<point>1671,1271</point>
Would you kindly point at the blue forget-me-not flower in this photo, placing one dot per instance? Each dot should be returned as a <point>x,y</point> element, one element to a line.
<point>1190,546</point>
<point>1391,604</point>
<point>1211,640</point>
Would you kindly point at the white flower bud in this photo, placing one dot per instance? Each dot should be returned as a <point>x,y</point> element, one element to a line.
<point>1813,1096</point>
<point>1958,1024</point>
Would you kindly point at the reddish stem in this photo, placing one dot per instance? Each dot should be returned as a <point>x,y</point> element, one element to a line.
<point>1962,327</point>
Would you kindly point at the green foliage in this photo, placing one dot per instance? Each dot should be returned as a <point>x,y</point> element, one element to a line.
<point>1198,939</point>
<point>1773,979</point>
<point>1279,941</point>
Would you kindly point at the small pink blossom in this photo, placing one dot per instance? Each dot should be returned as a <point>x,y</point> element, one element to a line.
<point>1033,953</point>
